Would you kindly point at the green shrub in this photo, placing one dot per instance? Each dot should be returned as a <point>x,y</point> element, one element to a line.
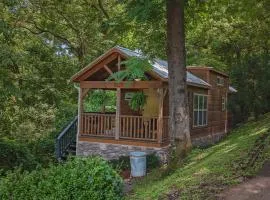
<point>152,161</point>
<point>78,178</point>
<point>123,163</point>
<point>14,154</point>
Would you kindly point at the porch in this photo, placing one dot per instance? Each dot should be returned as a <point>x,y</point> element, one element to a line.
<point>133,130</point>
<point>146,125</point>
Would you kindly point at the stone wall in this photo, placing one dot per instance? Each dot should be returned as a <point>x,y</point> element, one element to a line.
<point>114,151</point>
<point>207,140</point>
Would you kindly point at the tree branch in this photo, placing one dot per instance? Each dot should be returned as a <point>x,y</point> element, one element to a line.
<point>102,9</point>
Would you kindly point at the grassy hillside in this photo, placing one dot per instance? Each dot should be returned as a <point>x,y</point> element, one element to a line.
<point>207,172</point>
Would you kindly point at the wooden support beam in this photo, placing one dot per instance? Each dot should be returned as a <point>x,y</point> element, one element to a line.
<point>119,63</point>
<point>80,110</point>
<point>160,115</point>
<point>226,113</point>
<point>118,111</point>
<point>85,92</point>
<point>108,69</point>
<point>123,84</point>
<point>79,116</point>
<point>98,66</point>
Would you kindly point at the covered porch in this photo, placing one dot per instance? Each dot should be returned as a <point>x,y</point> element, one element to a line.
<point>147,127</point>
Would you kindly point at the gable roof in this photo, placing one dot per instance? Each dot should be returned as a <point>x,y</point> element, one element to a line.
<point>208,68</point>
<point>160,67</point>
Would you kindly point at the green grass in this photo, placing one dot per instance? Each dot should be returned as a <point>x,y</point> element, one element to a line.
<point>207,172</point>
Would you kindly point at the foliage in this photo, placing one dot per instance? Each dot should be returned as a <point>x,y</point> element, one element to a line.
<point>223,34</point>
<point>152,161</point>
<point>78,178</point>
<point>123,163</point>
<point>137,101</point>
<point>252,96</point>
<point>135,69</point>
<point>208,171</point>
<point>100,101</point>
<point>13,154</point>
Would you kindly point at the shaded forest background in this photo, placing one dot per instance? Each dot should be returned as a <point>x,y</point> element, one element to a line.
<point>43,43</point>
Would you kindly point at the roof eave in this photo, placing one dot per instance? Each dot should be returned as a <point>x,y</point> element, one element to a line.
<point>199,85</point>
<point>75,77</point>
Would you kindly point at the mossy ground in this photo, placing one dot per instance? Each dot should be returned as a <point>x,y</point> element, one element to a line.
<point>207,172</point>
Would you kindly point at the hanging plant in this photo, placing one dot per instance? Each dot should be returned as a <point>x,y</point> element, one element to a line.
<point>137,101</point>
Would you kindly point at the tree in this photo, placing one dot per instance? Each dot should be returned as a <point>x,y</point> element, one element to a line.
<point>179,114</point>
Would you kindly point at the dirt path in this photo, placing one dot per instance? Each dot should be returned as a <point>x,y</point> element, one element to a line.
<point>257,188</point>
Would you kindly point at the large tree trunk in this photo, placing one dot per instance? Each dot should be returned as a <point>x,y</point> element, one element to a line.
<point>179,113</point>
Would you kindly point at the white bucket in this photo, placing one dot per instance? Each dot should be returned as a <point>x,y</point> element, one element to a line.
<point>138,163</point>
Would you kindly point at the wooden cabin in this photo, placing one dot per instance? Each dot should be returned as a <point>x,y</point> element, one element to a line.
<point>116,134</point>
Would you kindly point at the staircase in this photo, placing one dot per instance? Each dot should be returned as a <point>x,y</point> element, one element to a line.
<point>65,143</point>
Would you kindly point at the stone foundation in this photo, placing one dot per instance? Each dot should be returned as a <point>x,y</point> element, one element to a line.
<point>114,151</point>
<point>205,141</point>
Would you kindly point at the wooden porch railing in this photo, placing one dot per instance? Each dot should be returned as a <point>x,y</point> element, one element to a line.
<point>165,131</point>
<point>138,127</point>
<point>131,127</point>
<point>96,124</point>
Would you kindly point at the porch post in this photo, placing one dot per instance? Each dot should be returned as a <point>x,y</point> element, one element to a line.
<point>118,104</point>
<point>118,111</point>
<point>160,115</point>
<point>80,110</point>
<point>226,114</point>
<point>79,117</point>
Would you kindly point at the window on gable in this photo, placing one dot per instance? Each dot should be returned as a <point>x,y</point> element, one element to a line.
<point>199,110</point>
<point>220,80</point>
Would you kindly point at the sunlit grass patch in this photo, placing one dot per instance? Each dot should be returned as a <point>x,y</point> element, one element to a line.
<point>208,171</point>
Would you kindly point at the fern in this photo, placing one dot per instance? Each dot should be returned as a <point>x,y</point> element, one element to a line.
<point>137,101</point>
<point>135,69</point>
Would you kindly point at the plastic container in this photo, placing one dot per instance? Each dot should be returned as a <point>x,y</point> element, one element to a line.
<point>138,163</point>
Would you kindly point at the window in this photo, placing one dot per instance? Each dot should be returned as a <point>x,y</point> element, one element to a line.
<point>220,81</point>
<point>128,96</point>
<point>223,103</point>
<point>199,110</point>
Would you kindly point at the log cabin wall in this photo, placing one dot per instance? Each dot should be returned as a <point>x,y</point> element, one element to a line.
<point>216,116</point>
<point>125,108</point>
<point>202,130</point>
<point>198,131</point>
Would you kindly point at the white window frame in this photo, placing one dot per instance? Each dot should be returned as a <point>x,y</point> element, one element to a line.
<point>220,81</point>
<point>223,103</point>
<point>200,109</point>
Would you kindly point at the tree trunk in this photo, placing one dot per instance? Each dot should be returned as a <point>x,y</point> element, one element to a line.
<point>179,112</point>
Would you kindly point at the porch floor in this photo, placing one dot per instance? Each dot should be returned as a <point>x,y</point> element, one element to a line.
<point>109,140</point>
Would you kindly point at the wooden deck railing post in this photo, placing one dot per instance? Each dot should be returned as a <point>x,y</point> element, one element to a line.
<point>160,116</point>
<point>118,104</point>
<point>80,110</point>
<point>117,117</point>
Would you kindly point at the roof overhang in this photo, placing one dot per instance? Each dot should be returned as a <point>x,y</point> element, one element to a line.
<point>124,54</point>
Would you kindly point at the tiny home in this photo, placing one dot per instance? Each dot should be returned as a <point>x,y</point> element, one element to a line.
<point>114,134</point>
